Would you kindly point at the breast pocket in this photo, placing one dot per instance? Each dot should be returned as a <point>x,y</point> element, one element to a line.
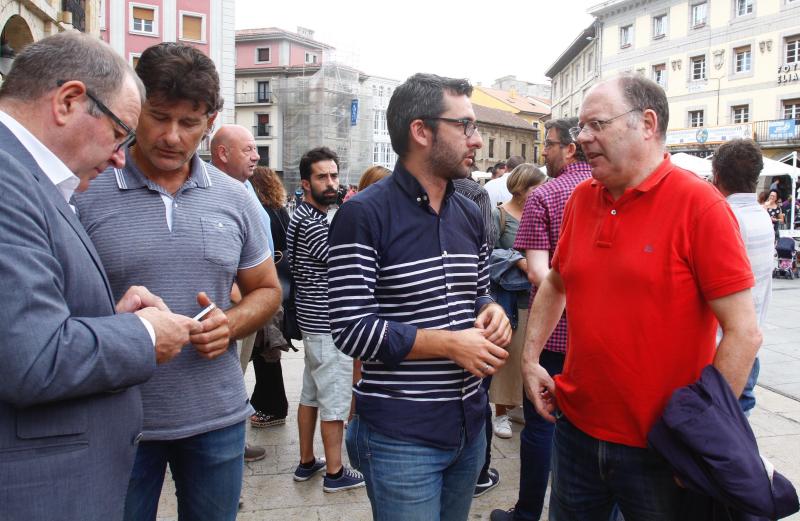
<point>221,241</point>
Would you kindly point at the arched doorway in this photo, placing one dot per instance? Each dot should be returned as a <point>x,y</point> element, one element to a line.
<point>15,36</point>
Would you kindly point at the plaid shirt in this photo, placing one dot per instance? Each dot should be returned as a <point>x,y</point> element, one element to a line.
<point>540,228</point>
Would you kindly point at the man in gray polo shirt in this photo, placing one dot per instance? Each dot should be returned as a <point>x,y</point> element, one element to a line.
<point>735,167</point>
<point>186,230</point>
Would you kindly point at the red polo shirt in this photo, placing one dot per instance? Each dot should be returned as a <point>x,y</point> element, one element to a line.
<point>638,274</point>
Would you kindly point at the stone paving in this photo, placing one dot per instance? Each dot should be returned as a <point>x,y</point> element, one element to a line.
<point>269,493</point>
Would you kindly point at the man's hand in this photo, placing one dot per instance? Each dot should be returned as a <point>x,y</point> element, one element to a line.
<point>214,337</point>
<point>172,331</point>
<point>472,351</point>
<point>540,389</point>
<point>494,322</point>
<point>138,297</point>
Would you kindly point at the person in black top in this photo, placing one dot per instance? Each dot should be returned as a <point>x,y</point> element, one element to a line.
<point>269,394</point>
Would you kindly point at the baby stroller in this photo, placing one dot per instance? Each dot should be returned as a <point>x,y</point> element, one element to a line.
<point>786,259</point>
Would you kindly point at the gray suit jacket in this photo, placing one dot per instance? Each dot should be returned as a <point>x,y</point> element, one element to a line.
<point>69,416</point>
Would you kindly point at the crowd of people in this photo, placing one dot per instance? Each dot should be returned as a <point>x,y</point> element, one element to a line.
<point>585,297</point>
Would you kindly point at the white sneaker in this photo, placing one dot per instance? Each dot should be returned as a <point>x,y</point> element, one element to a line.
<point>501,426</point>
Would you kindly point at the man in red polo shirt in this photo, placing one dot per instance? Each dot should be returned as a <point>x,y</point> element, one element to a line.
<point>649,261</point>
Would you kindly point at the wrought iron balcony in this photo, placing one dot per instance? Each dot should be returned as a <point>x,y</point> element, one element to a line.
<point>243,98</point>
<point>262,130</point>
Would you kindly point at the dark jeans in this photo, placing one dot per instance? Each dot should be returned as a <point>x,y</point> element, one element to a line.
<point>590,476</point>
<point>536,441</point>
<point>269,395</point>
<point>748,398</point>
<point>207,470</point>
<point>483,477</point>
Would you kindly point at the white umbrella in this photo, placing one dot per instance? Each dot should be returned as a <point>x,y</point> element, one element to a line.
<point>698,165</point>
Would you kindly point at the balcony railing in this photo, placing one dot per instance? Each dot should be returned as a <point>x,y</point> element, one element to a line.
<point>776,130</point>
<point>253,97</point>
<point>262,130</point>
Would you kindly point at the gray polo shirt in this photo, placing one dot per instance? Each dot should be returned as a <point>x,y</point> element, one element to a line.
<point>208,231</point>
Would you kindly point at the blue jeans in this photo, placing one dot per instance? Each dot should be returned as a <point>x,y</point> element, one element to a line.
<point>536,442</point>
<point>590,475</point>
<point>748,398</point>
<point>412,482</point>
<point>207,469</point>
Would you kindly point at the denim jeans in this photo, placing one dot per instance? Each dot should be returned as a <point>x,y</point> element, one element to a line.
<point>483,477</point>
<point>412,482</point>
<point>590,475</point>
<point>536,442</point>
<point>748,398</point>
<point>207,469</point>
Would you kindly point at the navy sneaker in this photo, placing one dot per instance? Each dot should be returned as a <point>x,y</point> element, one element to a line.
<point>491,480</point>
<point>349,479</point>
<point>304,474</point>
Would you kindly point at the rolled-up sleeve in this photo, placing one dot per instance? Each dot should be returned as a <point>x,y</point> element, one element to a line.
<point>357,329</point>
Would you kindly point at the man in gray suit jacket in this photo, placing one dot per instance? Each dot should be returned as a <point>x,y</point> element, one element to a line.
<point>70,414</point>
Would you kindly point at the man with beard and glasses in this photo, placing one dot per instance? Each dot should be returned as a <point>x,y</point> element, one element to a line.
<point>409,296</point>
<point>328,373</point>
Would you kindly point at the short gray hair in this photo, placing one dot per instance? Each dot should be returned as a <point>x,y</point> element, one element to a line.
<point>642,94</point>
<point>68,56</point>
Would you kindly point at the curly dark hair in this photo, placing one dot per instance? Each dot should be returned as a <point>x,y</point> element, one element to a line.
<point>174,71</point>
<point>268,187</point>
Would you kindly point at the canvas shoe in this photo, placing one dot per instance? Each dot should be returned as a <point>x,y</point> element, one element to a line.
<point>492,480</point>
<point>501,426</point>
<point>304,474</point>
<point>349,479</point>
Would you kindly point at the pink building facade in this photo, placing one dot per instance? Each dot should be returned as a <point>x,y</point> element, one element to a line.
<point>130,27</point>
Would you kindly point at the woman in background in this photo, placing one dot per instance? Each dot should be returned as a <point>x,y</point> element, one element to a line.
<point>372,175</point>
<point>269,395</point>
<point>506,388</point>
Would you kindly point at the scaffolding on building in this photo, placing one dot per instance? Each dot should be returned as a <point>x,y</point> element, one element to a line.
<point>316,111</point>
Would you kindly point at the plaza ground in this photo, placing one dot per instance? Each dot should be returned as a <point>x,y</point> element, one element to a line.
<point>270,494</point>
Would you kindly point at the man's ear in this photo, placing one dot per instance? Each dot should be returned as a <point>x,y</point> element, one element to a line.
<point>420,133</point>
<point>210,124</point>
<point>66,101</point>
<point>650,123</point>
<point>572,148</point>
<point>306,184</point>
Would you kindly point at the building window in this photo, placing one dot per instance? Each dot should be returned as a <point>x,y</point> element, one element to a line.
<point>740,113</point>
<point>524,151</point>
<point>262,125</point>
<point>144,19</point>
<point>263,156</point>
<point>589,62</point>
<point>565,85</point>
<point>101,14</point>
<point>695,118</point>
<point>699,14</point>
<point>743,59</point>
<point>134,59</point>
<point>625,36</point>
<point>376,123</point>
<point>262,92</point>
<point>376,153</point>
<point>508,149</point>
<point>744,7</point>
<point>791,110</point>
<point>698,67</point>
<point>193,27</point>
<point>311,58</point>
<point>263,55</point>
<point>555,88</point>
<point>659,26</point>
<point>793,49</point>
<point>491,148</point>
<point>660,74</point>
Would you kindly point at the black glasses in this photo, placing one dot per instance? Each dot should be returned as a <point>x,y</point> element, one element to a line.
<point>469,126</point>
<point>592,128</point>
<point>548,144</point>
<point>130,134</point>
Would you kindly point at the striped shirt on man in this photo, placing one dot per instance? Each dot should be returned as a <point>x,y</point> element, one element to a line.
<point>307,244</point>
<point>397,266</point>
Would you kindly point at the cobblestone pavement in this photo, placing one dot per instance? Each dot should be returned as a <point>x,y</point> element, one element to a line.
<point>269,493</point>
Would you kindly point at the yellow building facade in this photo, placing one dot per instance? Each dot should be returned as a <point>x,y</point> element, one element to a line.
<point>532,110</point>
<point>730,68</point>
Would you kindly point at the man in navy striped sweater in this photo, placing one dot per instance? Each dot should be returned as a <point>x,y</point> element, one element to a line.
<point>409,296</point>
<point>328,373</point>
